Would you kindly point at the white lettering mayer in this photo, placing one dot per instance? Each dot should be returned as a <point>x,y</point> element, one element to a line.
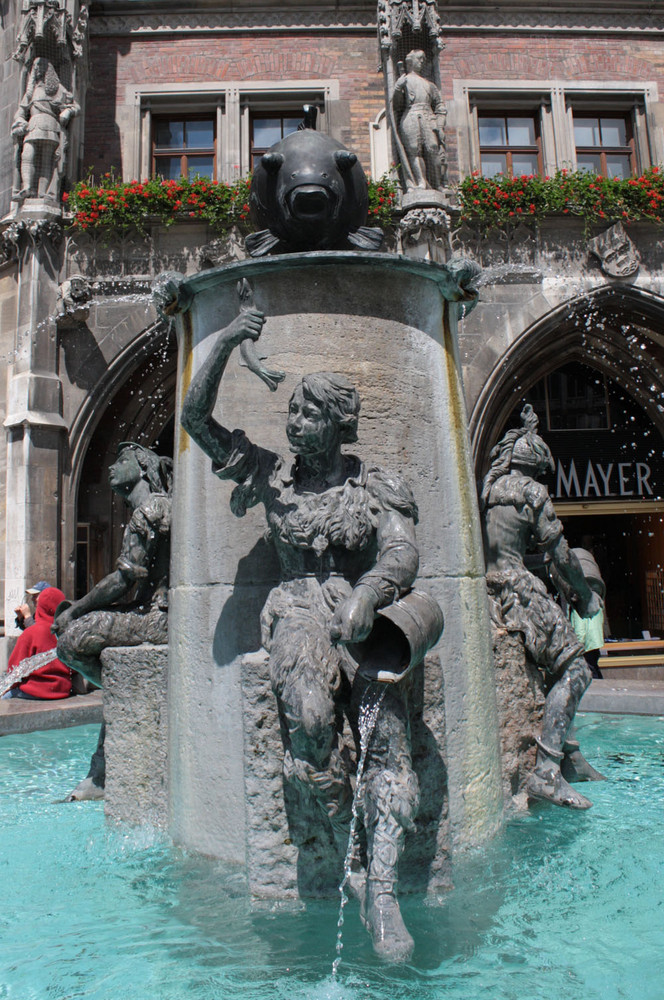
<point>626,479</point>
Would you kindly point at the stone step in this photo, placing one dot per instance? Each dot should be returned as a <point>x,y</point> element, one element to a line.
<point>22,716</point>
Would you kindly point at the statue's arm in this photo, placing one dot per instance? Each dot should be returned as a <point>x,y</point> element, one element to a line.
<point>109,590</point>
<point>399,95</point>
<point>69,108</point>
<point>397,561</point>
<point>21,119</point>
<point>392,575</point>
<point>440,111</point>
<point>196,417</point>
<point>132,566</point>
<point>586,602</point>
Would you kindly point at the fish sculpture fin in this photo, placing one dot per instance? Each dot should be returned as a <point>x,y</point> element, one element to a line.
<point>366,237</point>
<point>253,361</point>
<point>261,243</point>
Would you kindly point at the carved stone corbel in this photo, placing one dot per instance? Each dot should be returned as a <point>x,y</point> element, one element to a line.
<point>24,234</point>
<point>425,232</point>
<point>225,250</point>
<point>73,306</point>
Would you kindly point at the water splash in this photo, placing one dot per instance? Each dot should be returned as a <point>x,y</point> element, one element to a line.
<point>372,699</point>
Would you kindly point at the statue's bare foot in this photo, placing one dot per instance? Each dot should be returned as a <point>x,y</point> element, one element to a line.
<point>86,791</point>
<point>575,767</point>
<point>551,787</point>
<point>382,918</point>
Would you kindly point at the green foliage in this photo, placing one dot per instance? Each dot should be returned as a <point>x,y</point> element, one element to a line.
<point>115,204</point>
<point>499,200</point>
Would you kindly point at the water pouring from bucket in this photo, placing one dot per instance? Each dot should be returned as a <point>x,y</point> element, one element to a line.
<point>402,634</point>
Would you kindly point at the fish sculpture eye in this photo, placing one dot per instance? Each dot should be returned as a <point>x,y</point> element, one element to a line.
<point>345,159</point>
<point>272,162</point>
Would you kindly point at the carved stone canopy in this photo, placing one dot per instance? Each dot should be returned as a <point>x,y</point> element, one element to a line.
<point>418,15</point>
<point>48,23</point>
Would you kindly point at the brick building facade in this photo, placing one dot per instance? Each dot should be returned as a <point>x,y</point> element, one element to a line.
<point>574,82</point>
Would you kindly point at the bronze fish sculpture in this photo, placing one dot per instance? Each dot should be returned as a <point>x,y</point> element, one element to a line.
<point>308,192</point>
<point>248,352</point>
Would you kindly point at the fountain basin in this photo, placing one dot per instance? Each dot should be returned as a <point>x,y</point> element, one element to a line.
<point>115,912</point>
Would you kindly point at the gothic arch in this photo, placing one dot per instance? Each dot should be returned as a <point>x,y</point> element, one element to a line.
<point>144,372</point>
<point>135,400</point>
<point>617,330</point>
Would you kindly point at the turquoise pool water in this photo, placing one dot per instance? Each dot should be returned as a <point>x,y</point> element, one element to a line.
<point>562,906</point>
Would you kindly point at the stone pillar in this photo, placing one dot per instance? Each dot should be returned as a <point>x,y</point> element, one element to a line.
<point>136,745</point>
<point>34,421</point>
<point>384,322</point>
<point>50,46</point>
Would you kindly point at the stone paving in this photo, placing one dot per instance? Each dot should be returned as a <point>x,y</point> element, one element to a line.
<point>628,697</point>
<point>18,716</point>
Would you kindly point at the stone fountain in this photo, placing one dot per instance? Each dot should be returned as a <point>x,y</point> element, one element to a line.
<point>386,325</point>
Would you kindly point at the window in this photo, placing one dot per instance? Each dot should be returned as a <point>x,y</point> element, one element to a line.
<point>604,145</point>
<point>577,400</point>
<point>542,126</point>
<point>83,582</point>
<point>509,144</point>
<point>215,129</point>
<point>184,147</point>
<point>265,131</point>
<point>572,398</point>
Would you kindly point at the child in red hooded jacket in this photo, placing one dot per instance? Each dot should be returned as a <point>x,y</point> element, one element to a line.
<point>54,679</point>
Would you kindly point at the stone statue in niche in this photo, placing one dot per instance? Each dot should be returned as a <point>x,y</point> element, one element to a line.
<point>517,515</point>
<point>420,115</point>
<point>40,133</point>
<point>101,619</point>
<point>344,533</point>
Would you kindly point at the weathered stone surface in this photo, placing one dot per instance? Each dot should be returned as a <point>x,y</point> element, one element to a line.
<point>18,716</point>
<point>272,857</point>
<point>520,691</point>
<point>382,323</point>
<point>136,716</point>
<point>425,864</point>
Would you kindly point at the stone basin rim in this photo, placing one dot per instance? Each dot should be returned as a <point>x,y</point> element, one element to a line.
<point>440,274</point>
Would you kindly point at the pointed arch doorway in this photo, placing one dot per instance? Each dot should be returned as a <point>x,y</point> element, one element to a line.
<point>594,372</point>
<point>139,406</point>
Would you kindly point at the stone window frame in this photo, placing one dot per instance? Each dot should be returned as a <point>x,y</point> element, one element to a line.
<point>232,102</point>
<point>602,150</point>
<point>554,102</point>
<point>509,150</point>
<point>187,154</point>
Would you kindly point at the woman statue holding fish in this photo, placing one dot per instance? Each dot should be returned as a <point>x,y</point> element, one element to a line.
<point>345,538</point>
